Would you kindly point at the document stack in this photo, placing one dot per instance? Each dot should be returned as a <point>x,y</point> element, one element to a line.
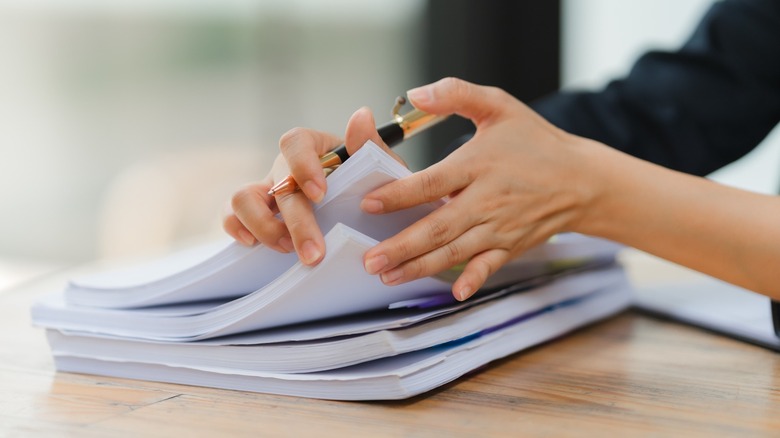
<point>252,319</point>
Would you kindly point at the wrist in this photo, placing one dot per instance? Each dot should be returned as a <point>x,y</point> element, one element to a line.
<point>595,183</point>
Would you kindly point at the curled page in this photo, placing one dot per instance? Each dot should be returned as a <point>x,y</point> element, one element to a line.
<point>231,270</point>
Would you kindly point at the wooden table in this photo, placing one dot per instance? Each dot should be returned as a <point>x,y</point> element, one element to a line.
<point>628,376</point>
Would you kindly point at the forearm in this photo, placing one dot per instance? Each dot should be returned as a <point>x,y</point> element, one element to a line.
<point>724,232</point>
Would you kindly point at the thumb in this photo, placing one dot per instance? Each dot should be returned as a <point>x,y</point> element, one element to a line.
<point>361,127</point>
<point>456,96</point>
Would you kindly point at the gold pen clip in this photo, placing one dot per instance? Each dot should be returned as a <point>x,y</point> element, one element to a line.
<point>415,120</point>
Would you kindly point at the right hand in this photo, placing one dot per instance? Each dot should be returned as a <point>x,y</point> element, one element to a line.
<point>251,217</point>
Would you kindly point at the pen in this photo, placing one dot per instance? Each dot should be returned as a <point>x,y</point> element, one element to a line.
<point>402,127</point>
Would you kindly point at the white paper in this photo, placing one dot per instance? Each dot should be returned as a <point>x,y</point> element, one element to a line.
<point>714,305</point>
<point>397,377</point>
<point>337,286</point>
<point>242,351</point>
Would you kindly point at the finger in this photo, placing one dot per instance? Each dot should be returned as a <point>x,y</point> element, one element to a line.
<point>428,185</point>
<point>251,207</point>
<point>361,128</point>
<point>477,271</point>
<point>472,242</point>
<point>428,234</point>
<point>302,149</point>
<point>451,95</point>
<point>237,230</point>
<point>298,215</point>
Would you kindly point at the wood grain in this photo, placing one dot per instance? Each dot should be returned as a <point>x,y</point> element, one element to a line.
<point>629,376</point>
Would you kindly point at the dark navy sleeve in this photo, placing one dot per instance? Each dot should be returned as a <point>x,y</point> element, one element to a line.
<point>696,109</point>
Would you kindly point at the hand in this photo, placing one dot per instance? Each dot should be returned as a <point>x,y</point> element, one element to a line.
<point>517,182</point>
<point>252,214</point>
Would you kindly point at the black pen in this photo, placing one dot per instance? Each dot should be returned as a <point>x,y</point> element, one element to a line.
<point>402,127</point>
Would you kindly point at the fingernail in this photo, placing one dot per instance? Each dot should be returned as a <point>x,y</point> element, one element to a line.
<point>313,191</point>
<point>463,292</point>
<point>372,205</point>
<point>390,277</point>
<point>246,237</point>
<point>420,95</point>
<point>309,252</point>
<point>286,243</point>
<point>376,264</point>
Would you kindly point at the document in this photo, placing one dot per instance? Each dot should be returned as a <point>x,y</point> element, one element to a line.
<point>713,305</point>
<point>252,319</point>
<point>394,377</point>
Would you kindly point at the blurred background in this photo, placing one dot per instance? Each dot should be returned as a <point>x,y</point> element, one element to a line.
<point>126,125</point>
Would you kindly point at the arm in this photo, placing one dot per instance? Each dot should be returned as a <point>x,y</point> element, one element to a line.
<point>727,233</point>
<point>694,110</point>
<point>520,180</point>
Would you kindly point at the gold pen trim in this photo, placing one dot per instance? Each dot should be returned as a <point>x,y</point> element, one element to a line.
<point>330,159</point>
<point>415,120</point>
<point>410,123</point>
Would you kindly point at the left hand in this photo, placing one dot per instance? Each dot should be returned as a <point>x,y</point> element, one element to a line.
<point>252,213</point>
<point>516,183</point>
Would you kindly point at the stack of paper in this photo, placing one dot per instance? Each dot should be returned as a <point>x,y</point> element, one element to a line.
<point>253,319</point>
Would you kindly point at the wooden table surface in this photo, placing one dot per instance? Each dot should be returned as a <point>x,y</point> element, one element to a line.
<point>628,376</point>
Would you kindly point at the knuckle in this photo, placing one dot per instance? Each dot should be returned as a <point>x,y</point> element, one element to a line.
<point>459,88</point>
<point>430,184</point>
<point>396,197</point>
<point>495,92</point>
<point>389,195</point>
<point>484,268</point>
<point>241,198</point>
<point>259,226</point>
<point>454,253</point>
<point>416,269</point>
<point>294,224</point>
<point>403,250</point>
<point>230,223</point>
<point>438,231</point>
<point>499,96</point>
<point>261,230</point>
<point>297,224</point>
<point>453,84</point>
<point>250,212</point>
<point>293,137</point>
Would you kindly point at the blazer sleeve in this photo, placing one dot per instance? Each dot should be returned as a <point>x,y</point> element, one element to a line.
<point>696,109</point>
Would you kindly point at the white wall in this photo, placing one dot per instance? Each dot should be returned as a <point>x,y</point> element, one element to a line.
<point>602,38</point>
<point>107,106</point>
